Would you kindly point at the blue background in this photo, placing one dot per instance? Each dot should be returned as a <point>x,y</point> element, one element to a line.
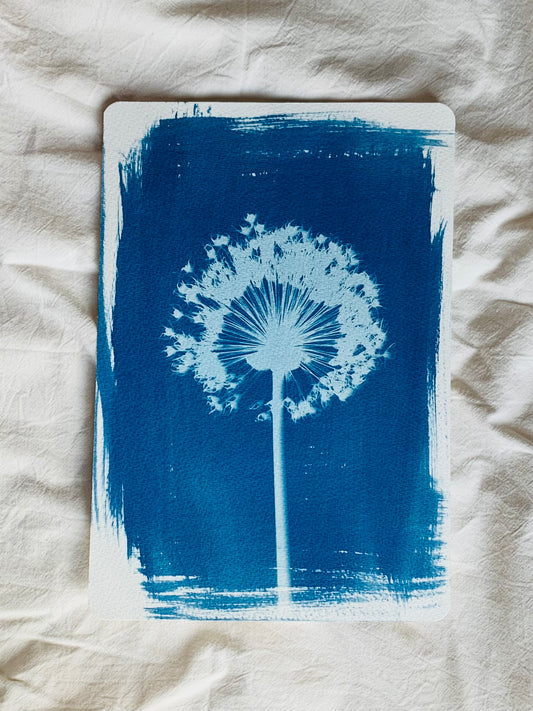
<point>196,489</point>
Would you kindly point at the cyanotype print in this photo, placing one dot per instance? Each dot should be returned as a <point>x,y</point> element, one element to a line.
<point>271,418</point>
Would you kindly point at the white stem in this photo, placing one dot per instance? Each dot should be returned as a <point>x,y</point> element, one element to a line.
<point>280,501</point>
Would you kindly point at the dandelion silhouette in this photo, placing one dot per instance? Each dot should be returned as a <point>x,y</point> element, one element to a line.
<point>286,305</point>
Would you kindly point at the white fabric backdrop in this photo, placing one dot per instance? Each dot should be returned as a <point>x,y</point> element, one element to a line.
<point>61,63</point>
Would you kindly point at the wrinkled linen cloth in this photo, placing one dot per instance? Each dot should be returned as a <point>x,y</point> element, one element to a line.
<point>62,63</point>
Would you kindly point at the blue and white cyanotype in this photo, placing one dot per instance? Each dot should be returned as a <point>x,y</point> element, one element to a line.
<point>271,404</point>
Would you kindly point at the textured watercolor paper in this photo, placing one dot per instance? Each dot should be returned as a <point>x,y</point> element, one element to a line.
<point>271,437</point>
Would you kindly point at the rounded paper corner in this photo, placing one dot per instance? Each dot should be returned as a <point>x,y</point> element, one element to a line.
<point>442,612</point>
<point>112,109</point>
<point>447,116</point>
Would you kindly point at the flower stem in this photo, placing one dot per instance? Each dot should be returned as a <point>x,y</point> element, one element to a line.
<point>280,501</point>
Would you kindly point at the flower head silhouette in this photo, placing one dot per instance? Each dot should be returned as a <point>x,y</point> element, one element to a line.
<point>280,310</point>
